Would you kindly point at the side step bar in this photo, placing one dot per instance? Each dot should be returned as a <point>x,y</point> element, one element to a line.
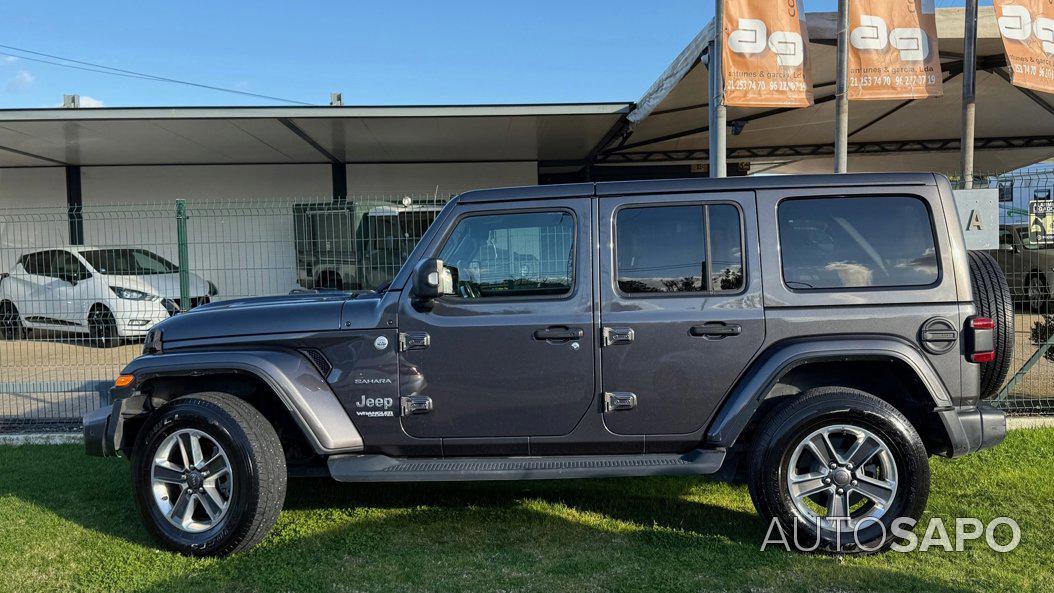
<point>381,468</point>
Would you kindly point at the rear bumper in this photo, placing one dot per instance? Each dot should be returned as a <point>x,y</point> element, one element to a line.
<point>974,428</point>
<point>985,426</point>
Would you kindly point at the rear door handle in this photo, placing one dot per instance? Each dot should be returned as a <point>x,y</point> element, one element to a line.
<point>550,334</point>
<point>717,330</point>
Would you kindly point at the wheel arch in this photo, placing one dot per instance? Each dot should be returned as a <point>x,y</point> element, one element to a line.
<point>886,367</point>
<point>283,386</point>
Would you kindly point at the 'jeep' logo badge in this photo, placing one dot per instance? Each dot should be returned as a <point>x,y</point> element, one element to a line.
<point>384,403</point>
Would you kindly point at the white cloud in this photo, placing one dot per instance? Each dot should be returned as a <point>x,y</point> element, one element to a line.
<point>20,82</point>
<point>8,59</point>
<point>87,101</point>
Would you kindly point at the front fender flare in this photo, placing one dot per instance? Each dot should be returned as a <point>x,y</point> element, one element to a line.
<point>741,405</point>
<point>296,381</point>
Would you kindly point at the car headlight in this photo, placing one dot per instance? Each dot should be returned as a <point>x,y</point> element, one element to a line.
<point>213,291</point>
<point>131,295</point>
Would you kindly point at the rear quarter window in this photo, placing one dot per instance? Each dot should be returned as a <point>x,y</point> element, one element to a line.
<point>866,242</point>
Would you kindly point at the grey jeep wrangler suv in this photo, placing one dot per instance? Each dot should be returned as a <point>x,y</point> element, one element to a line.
<point>817,337</point>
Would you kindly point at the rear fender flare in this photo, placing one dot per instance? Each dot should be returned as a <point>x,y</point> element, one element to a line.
<point>306,395</point>
<point>745,399</point>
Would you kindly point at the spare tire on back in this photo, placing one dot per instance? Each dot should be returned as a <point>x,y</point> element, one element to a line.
<point>991,296</point>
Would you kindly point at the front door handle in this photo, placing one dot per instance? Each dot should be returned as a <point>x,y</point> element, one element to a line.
<point>716,331</point>
<point>551,334</point>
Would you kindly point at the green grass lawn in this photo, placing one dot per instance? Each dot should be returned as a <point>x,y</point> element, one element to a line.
<point>67,522</point>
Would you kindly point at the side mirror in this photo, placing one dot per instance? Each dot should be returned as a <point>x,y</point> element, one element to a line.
<point>1007,247</point>
<point>432,280</point>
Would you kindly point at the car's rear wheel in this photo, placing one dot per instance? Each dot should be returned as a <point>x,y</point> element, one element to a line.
<point>102,328</point>
<point>1037,292</point>
<point>835,468</point>
<point>11,327</point>
<point>209,475</point>
<point>992,299</point>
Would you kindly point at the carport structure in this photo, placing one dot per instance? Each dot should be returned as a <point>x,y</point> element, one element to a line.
<point>1015,127</point>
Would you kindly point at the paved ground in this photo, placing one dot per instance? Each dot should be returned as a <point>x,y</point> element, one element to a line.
<point>57,376</point>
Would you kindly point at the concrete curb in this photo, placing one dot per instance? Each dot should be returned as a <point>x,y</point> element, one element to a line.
<point>1024,422</point>
<point>51,438</point>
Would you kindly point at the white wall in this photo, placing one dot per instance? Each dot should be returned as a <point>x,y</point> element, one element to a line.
<point>32,211</point>
<point>240,230</point>
<point>241,225</point>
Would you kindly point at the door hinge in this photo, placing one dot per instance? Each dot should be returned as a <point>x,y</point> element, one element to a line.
<point>414,341</point>
<point>620,401</point>
<point>415,404</point>
<point>618,335</point>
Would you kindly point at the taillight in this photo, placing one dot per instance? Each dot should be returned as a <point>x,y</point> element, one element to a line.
<point>980,340</point>
<point>982,357</point>
<point>982,323</point>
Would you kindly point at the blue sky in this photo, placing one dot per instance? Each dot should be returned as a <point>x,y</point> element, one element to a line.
<point>376,53</point>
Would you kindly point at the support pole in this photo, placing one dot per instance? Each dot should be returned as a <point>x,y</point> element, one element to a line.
<point>841,102</point>
<point>184,255</point>
<point>969,93</point>
<point>74,205</point>
<point>718,112</point>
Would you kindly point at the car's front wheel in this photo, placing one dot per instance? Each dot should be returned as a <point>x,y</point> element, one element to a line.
<point>209,475</point>
<point>11,327</point>
<point>836,467</point>
<point>102,328</point>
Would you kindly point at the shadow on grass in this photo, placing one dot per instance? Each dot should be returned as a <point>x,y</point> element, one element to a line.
<point>612,535</point>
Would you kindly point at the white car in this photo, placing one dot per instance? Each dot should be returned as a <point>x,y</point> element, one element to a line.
<point>106,293</point>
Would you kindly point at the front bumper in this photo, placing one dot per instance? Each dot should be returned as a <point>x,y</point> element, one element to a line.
<point>104,428</point>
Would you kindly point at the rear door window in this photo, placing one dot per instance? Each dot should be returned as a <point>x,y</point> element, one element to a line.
<point>866,242</point>
<point>695,248</point>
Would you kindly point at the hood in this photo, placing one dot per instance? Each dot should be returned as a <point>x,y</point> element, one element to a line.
<point>163,285</point>
<point>295,313</point>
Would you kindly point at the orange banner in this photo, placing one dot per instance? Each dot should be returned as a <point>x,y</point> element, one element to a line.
<point>1027,27</point>
<point>766,55</point>
<point>893,50</point>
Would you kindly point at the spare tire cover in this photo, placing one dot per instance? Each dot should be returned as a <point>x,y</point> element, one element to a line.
<point>991,296</point>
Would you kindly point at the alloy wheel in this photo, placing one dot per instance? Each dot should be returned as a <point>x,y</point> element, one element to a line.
<point>192,480</point>
<point>840,477</point>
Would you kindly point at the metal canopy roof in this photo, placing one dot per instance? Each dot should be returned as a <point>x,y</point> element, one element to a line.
<point>281,135</point>
<point>1014,127</point>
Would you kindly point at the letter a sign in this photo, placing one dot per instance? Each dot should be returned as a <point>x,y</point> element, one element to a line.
<point>893,50</point>
<point>766,54</point>
<point>1027,27</point>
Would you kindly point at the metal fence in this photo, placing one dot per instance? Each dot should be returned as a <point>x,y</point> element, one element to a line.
<point>72,316</point>
<point>1029,269</point>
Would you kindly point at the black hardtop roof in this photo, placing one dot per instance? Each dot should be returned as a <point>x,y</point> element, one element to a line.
<point>662,186</point>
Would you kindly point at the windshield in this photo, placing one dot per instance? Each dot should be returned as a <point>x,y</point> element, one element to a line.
<point>128,262</point>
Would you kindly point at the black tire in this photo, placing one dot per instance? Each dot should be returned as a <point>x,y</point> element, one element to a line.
<point>1037,292</point>
<point>102,328</point>
<point>256,464</point>
<point>329,281</point>
<point>991,296</point>
<point>11,327</point>
<point>830,408</point>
